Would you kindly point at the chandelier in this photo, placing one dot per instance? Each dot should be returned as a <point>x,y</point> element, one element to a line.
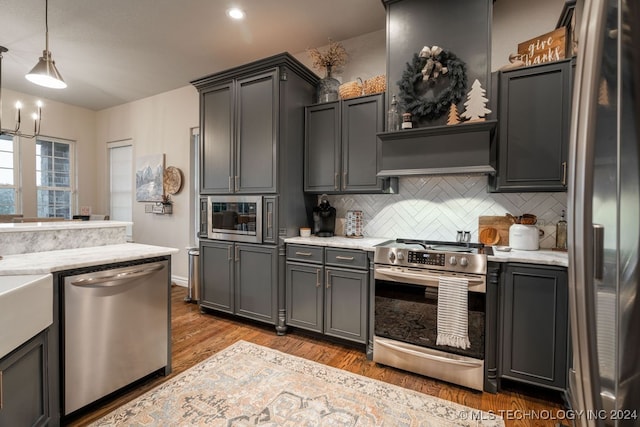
<point>37,115</point>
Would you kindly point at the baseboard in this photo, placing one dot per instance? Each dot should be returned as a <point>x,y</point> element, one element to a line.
<point>180,281</point>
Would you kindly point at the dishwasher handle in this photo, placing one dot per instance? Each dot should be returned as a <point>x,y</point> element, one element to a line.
<point>109,278</point>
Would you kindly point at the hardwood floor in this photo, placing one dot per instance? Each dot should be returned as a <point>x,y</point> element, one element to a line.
<point>197,336</point>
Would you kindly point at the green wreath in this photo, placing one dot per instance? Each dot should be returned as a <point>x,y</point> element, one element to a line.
<point>432,63</point>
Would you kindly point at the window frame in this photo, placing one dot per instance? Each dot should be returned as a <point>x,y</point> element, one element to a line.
<point>17,183</point>
<point>73,187</point>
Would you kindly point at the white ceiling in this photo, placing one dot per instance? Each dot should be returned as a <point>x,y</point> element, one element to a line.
<point>112,52</point>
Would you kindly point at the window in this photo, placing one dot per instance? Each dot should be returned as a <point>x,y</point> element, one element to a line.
<point>54,178</point>
<point>8,172</point>
<point>121,182</point>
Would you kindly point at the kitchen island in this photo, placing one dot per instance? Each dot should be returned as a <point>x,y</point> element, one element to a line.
<point>89,252</point>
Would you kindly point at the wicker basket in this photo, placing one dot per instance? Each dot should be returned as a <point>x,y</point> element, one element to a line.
<point>351,89</point>
<point>375,84</point>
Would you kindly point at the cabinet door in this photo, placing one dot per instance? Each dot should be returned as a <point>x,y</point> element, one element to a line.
<point>23,385</point>
<point>322,148</point>
<point>304,296</point>
<point>362,119</point>
<point>257,102</point>
<point>217,135</point>
<point>256,289</point>
<point>534,325</point>
<point>216,276</point>
<point>346,304</point>
<point>534,115</point>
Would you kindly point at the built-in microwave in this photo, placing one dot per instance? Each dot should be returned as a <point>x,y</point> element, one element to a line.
<point>237,218</point>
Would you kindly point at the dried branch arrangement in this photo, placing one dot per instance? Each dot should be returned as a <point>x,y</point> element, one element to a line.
<point>334,57</point>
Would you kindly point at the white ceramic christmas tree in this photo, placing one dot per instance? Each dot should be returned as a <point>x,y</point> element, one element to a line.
<point>476,105</point>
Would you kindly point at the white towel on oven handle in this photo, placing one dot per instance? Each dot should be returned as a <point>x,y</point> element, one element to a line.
<point>453,314</point>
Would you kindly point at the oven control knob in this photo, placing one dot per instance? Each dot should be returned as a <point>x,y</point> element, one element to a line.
<point>464,262</point>
<point>392,257</point>
<point>400,256</point>
<point>453,260</point>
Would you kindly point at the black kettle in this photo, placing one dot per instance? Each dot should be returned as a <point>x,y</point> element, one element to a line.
<point>324,218</point>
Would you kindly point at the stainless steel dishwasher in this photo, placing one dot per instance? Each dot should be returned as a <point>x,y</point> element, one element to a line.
<point>116,330</point>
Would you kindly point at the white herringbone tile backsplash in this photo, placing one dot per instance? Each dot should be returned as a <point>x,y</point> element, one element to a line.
<point>435,207</point>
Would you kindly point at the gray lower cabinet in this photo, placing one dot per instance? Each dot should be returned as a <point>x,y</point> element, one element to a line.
<point>240,279</point>
<point>24,389</point>
<point>534,325</point>
<point>327,291</point>
<point>533,128</point>
<point>340,146</point>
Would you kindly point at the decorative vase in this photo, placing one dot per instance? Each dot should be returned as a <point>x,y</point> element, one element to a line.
<point>327,89</point>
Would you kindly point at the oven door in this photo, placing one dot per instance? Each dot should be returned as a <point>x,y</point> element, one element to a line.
<point>405,326</point>
<point>236,218</point>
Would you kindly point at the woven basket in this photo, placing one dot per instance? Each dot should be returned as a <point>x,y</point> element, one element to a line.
<point>375,84</point>
<point>350,89</point>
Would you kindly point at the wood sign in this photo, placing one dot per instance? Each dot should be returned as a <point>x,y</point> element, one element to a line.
<point>545,48</point>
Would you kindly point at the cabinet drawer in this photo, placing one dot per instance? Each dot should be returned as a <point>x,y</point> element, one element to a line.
<point>313,254</point>
<point>347,258</point>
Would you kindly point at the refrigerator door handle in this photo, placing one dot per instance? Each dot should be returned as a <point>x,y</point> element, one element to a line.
<point>598,251</point>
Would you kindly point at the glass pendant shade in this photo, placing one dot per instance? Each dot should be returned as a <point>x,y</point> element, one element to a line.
<point>45,73</point>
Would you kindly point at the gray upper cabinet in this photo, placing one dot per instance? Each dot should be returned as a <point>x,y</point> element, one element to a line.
<point>340,146</point>
<point>533,136</point>
<point>239,135</point>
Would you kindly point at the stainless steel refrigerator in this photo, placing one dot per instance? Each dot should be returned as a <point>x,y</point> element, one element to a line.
<point>604,218</point>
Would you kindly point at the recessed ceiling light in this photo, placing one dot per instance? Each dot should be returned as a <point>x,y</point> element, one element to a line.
<point>236,13</point>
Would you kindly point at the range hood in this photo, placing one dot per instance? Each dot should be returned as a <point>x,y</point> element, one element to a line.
<point>467,148</point>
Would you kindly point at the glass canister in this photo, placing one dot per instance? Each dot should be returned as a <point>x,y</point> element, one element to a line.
<point>353,224</point>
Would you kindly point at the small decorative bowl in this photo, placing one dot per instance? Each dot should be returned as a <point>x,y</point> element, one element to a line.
<point>305,232</point>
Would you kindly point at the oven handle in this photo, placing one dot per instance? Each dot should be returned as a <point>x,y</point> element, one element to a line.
<point>422,278</point>
<point>427,356</point>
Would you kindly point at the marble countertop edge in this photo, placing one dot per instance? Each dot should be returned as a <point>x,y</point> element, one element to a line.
<point>66,259</point>
<point>20,227</point>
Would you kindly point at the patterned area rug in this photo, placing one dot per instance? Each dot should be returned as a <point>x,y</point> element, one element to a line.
<point>250,385</point>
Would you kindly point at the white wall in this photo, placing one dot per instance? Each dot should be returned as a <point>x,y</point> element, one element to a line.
<point>159,124</point>
<point>516,21</point>
<point>60,121</point>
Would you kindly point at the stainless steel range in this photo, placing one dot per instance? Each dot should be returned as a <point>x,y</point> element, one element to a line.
<point>409,275</point>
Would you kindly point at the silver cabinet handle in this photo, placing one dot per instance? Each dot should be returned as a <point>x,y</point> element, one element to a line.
<point>327,279</point>
<point>237,254</point>
<point>564,173</point>
<point>344,180</point>
<point>111,279</point>
<point>229,257</point>
<point>237,183</point>
<point>345,258</point>
<point>304,253</point>
<point>269,220</point>
<point>318,284</point>
<point>598,251</point>
<point>335,181</point>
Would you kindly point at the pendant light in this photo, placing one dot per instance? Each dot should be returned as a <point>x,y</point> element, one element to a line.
<point>45,72</point>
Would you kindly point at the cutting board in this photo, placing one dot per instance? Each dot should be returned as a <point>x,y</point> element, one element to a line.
<point>500,223</point>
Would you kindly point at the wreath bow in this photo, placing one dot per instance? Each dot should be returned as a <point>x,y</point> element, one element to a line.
<point>433,67</point>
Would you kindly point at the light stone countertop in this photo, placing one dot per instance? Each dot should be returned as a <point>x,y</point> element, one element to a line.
<point>66,259</point>
<point>19,227</point>
<point>543,256</point>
